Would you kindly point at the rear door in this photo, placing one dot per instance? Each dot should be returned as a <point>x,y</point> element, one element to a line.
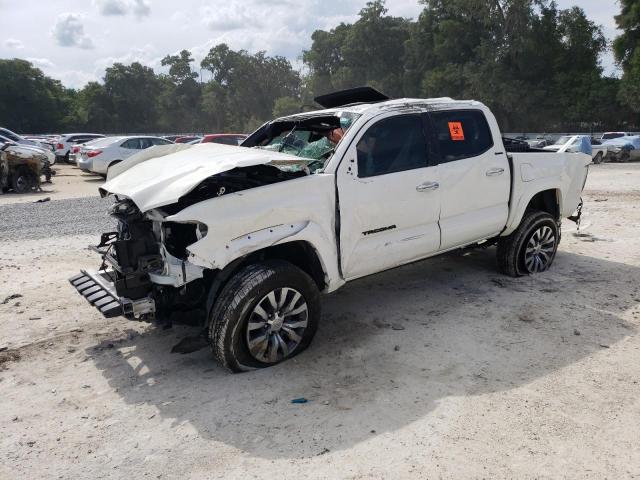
<point>389,201</point>
<point>475,179</point>
<point>130,147</point>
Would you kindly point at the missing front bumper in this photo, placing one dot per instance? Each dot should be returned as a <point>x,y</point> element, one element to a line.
<point>100,291</point>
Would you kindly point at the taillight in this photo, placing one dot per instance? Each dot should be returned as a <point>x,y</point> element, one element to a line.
<point>93,153</point>
<point>59,146</point>
<point>75,149</point>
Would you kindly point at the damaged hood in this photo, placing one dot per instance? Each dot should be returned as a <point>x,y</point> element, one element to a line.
<point>162,180</point>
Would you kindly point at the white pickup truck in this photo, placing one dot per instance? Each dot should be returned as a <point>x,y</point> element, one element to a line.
<point>241,240</point>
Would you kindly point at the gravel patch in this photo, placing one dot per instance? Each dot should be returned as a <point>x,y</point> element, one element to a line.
<point>74,216</point>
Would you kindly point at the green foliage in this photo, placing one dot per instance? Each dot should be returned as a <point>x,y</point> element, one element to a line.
<point>627,50</point>
<point>535,65</point>
<point>29,100</point>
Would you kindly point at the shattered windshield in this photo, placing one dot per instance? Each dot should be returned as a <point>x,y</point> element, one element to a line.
<point>310,138</point>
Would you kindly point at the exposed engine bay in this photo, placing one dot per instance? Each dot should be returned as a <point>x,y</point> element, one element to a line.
<point>146,254</point>
<point>146,272</point>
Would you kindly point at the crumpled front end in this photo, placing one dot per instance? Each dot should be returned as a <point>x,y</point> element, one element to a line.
<point>144,267</point>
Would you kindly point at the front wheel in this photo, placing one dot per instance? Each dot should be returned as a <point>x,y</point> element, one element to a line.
<point>532,247</point>
<point>598,158</point>
<point>23,180</point>
<point>266,314</point>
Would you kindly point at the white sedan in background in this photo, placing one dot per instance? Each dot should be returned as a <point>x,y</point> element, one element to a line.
<point>577,143</point>
<point>97,156</point>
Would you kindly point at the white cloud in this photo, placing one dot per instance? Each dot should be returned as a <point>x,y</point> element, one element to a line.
<point>139,8</point>
<point>75,78</point>
<point>69,31</point>
<point>13,43</point>
<point>112,7</point>
<point>228,18</point>
<point>41,62</point>
<point>146,55</point>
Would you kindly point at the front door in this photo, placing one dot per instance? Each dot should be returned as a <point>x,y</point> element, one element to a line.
<point>389,197</point>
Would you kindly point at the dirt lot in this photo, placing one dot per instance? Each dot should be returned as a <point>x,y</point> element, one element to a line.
<point>435,370</point>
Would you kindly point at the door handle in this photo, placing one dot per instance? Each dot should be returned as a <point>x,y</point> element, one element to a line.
<point>427,186</point>
<point>494,172</point>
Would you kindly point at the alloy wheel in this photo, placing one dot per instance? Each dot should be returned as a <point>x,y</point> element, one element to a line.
<point>540,250</point>
<point>276,325</point>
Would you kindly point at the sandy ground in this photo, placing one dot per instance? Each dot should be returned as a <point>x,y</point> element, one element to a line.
<point>442,369</point>
<point>69,182</point>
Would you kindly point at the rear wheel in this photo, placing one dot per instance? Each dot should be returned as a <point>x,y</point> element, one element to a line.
<point>115,162</point>
<point>532,247</point>
<point>265,314</point>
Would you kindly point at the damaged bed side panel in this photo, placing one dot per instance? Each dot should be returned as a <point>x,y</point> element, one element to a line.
<point>241,223</point>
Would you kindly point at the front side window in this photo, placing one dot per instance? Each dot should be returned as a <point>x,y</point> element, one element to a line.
<point>461,134</point>
<point>392,145</point>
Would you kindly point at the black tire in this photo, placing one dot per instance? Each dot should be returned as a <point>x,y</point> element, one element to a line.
<point>23,180</point>
<point>512,253</point>
<point>229,330</point>
<point>598,158</point>
<point>66,157</point>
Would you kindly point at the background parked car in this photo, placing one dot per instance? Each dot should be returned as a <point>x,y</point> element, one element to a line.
<point>46,142</point>
<point>98,155</point>
<point>66,142</point>
<point>600,151</point>
<point>624,149</point>
<point>225,138</point>
<point>19,139</point>
<point>572,143</point>
<point>186,139</point>
<point>538,142</point>
<point>51,158</point>
<point>612,135</point>
<point>23,165</point>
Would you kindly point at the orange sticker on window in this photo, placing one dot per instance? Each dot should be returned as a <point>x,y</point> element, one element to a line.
<point>456,131</point>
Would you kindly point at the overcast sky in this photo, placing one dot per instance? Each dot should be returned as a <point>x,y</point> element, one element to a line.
<point>75,40</point>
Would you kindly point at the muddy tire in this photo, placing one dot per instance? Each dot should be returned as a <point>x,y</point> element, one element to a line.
<point>23,180</point>
<point>598,158</point>
<point>266,314</point>
<point>531,248</point>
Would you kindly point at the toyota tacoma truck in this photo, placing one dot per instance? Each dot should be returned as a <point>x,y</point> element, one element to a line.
<point>241,240</point>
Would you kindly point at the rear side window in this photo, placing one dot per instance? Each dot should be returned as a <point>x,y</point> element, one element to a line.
<point>461,134</point>
<point>145,143</point>
<point>392,145</point>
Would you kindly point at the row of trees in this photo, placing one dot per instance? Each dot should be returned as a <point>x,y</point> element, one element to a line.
<point>535,65</point>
